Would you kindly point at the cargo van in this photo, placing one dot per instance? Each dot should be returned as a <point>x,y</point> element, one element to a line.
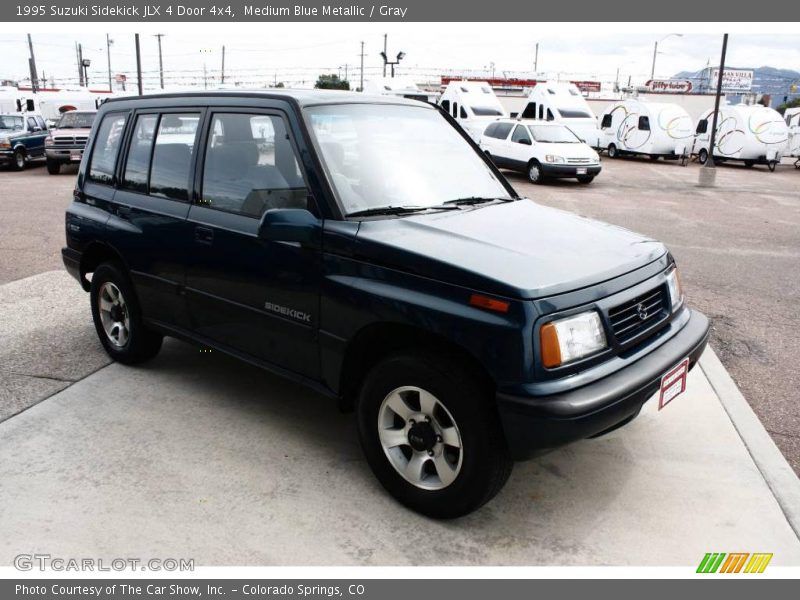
<point>563,103</point>
<point>653,129</point>
<point>473,104</point>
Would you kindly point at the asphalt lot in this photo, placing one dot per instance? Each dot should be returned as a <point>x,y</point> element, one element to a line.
<point>738,247</point>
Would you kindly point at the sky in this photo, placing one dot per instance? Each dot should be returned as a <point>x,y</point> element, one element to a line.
<point>297,52</point>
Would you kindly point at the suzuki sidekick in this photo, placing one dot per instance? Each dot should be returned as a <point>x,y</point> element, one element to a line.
<point>366,247</point>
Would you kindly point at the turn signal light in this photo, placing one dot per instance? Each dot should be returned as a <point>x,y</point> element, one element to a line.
<point>550,348</point>
<point>489,303</point>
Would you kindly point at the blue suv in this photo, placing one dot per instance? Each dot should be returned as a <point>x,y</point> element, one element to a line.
<point>366,247</point>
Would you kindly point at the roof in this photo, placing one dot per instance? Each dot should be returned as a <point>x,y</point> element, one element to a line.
<point>300,97</point>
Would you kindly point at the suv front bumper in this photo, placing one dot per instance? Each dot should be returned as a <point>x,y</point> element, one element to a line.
<point>539,422</point>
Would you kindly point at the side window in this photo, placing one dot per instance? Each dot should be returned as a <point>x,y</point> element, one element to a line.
<point>503,129</point>
<point>644,123</point>
<point>463,113</point>
<point>455,110</point>
<point>29,105</point>
<point>32,123</point>
<point>541,111</point>
<point>521,134</point>
<point>606,122</point>
<point>251,167</point>
<point>172,155</point>
<point>40,122</point>
<point>137,167</point>
<point>490,130</point>
<point>530,111</point>
<point>702,126</point>
<point>550,116</point>
<point>446,105</point>
<point>106,148</point>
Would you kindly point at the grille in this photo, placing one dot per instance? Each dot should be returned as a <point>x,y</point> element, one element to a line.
<point>636,315</point>
<point>70,140</point>
<point>579,161</point>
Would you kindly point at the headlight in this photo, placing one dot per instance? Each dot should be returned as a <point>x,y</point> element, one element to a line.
<point>675,291</point>
<point>4,143</point>
<point>566,340</point>
<point>48,141</point>
<point>552,158</point>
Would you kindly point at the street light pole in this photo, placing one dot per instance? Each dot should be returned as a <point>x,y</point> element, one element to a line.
<point>138,65</point>
<point>655,52</point>
<point>109,41</point>
<point>708,174</point>
<point>160,61</point>
<point>362,67</point>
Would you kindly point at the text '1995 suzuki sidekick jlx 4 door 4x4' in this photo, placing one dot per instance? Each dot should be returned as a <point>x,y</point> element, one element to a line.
<point>366,247</point>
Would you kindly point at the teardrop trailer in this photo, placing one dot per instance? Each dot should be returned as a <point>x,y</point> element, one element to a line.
<point>365,246</point>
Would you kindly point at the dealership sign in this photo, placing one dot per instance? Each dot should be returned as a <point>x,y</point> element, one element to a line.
<point>733,80</point>
<point>669,86</point>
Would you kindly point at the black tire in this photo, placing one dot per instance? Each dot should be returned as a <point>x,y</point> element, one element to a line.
<point>141,344</point>
<point>20,159</point>
<point>485,465</point>
<point>749,163</point>
<point>612,151</point>
<point>53,167</point>
<point>654,157</point>
<point>534,172</point>
<point>586,179</point>
<point>702,156</point>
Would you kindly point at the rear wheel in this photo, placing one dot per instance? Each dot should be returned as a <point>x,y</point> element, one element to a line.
<point>654,157</point>
<point>118,319</point>
<point>431,435</point>
<point>535,172</point>
<point>20,159</point>
<point>612,151</point>
<point>702,156</point>
<point>586,179</point>
<point>53,167</point>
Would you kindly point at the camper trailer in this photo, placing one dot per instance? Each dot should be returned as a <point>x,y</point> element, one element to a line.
<point>473,104</point>
<point>792,118</point>
<point>752,134</point>
<point>400,87</point>
<point>563,103</point>
<point>653,129</point>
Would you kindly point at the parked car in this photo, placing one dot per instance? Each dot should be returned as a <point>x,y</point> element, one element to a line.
<point>21,138</point>
<point>67,139</point>
<point>540,150</point>
<point>372,252</point>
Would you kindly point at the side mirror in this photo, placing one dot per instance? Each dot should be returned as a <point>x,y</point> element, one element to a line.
<point>288,225</point>
<point>526,142</point>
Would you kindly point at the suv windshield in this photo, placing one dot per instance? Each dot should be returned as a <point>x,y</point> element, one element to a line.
<point>76,120</point>
<point>381,155</point>
<point>9,122</point>
<point>553,134</point>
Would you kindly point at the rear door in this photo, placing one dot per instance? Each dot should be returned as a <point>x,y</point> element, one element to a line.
<point>257,297</point>
<point>501,145</point>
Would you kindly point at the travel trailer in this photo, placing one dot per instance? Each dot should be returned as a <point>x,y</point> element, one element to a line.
<point>50,104</point>
<point>400,87</point>
<point>473,104</point>
<point>792,118</point>
<point>653,129</point>
<point>563,103</point>
<point>753,134</point>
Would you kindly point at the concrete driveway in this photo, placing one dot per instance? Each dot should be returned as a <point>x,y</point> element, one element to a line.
<point>198,456</point>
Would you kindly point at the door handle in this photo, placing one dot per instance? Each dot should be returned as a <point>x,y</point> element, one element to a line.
<point>203,235</point>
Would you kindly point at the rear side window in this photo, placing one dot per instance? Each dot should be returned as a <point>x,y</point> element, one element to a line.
<point>606,122</point>
<point>172,155</point>
<point>530,111</point>
<point>251,167</point>
<point>446,105</point>
<point>106,148</point>
<point>644,123</point>
<point>463,113</point>
<point>137,166</point>
<point>702,126</point>
<point>490,130</point>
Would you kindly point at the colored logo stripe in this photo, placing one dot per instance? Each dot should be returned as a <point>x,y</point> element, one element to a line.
<point>714,562</point>
<point>758,563</point>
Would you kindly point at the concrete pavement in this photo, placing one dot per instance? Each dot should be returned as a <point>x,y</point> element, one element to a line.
<point>196,455</point>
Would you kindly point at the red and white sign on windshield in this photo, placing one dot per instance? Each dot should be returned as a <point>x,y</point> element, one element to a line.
<point>669,86</point>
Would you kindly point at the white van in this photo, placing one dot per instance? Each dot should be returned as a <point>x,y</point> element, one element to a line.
<point>753,134</point>
<point>400,87</point>
<point>563,103</point>
<point>792,118</point>
<point>654,129</point>
<point>541,150</point>
<point>473,104</point>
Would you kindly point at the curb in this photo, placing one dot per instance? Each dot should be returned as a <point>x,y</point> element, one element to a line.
<point>780,478</point>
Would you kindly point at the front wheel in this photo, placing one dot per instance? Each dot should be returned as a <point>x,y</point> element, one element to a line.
<point>53,167</point>
<point>118,318</point>
<point>586,179</point>
<point>702,157</point>
<point>431,435</point>
<point>20,159</point>
<point>535,172</point>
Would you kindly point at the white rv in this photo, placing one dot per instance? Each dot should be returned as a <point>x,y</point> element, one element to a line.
<point>792,118</point>
<point>400,87</point>
<point>563,103</point>
<point>753,134</point>
<point>653,129</point>
<point>473,104</point>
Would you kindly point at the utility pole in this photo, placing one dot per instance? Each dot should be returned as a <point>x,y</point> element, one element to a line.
<point>384,53</point>
<point>160,61</point>
<point>139,65</point>
<point>109,41</point>
<point>708,173</point>
<point>32,65</point>
<point>536,59</point>
<point>80,66</point>
<point>361,89</point>
<point>222,75</point>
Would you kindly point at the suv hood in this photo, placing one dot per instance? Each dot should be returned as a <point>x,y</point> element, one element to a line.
<point>517,249</point>
<point>70,131</point>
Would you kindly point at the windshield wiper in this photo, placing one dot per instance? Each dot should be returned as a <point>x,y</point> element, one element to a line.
<point>393,210</point>
<point>475,200</point>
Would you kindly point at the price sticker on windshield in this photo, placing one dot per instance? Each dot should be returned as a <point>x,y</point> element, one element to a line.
<point>673,383</point>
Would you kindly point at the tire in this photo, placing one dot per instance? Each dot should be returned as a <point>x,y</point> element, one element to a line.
<point>474,468</point>
<point>586,179</point>
<point>53,167</point>
<point>612,151</point>
<point>749,164</point>
<point>534,172</point>
<point>702,156</point>
<point>20,159</point>
<point>133,343</point>
<point>654,157</point>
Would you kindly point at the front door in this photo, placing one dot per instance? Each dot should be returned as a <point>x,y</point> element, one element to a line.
<point>520,148</point>
<point>257,297</point>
